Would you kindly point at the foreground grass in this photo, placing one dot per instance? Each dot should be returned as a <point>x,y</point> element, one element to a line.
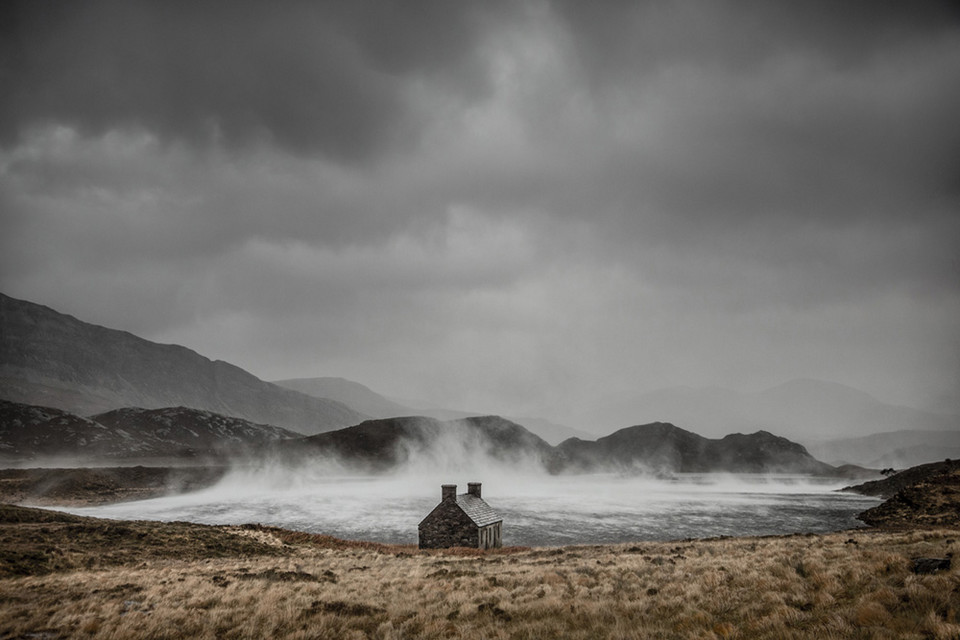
<point>253,582</point>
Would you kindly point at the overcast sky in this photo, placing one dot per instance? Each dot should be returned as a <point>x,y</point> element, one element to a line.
<point>511,207</point>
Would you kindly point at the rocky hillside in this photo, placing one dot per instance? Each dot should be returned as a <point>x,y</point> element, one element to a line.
<point>661,447</point>
<point>51,359</point>
<point>890,485</point>
<point>29,432</point>
<point>152,432</point>
<point>928,495</point>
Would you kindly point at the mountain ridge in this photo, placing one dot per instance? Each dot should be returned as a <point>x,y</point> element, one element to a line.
<point>353,394</point>
<point>172,433</point>
<point>896,449</point>
<point>390,444</point>
<point>661,447</point>
<point>53,359</point>
<point>802,409</point>
<point>377,406</point>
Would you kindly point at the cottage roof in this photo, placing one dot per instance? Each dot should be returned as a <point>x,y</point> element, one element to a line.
<point>477,510</point>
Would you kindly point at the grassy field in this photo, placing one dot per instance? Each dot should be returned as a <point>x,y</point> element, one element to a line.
<point>65,576</point>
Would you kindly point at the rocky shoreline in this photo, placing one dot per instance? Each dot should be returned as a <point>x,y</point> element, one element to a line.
<point>927,495</point>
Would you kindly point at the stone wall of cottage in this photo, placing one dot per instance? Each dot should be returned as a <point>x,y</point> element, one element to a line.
<point>448,526</point>
<point>490,536</point>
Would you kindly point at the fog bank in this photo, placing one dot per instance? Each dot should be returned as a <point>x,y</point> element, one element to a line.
<point>537,509</point>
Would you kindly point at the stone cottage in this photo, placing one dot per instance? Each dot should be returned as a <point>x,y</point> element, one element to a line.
<point>463,520</point>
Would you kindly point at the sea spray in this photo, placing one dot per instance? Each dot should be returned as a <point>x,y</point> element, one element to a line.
<point>537,509</point>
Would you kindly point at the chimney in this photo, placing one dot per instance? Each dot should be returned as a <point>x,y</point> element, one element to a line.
<point>473,488</point>
<point>448,491</point>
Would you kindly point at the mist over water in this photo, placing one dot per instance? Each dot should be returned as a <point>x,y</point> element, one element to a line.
<point>538,509</point>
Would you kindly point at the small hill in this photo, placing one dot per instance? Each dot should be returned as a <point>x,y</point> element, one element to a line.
<point>191,432</point>
<point>30,432</point>
<point>926,495</point>
<point>661,447</point>
<point>375,445</point>
<point>763,452</point>
<point>52,359</point>
<point>426,443</point>
<point>889,486</point>
<point>656,447</point>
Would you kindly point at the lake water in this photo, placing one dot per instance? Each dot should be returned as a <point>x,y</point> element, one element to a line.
<point>538,510</point>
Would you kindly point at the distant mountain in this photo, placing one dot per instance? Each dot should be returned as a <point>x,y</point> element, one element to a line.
<point>353,394</point>
<point>380,445</point>
<point>664,448</point>
<point>804,410</point>
<point>30,432</point>
<point>550,431</point>
<point>51,359</point>
<point>897,449</point>
<point>363,399</point>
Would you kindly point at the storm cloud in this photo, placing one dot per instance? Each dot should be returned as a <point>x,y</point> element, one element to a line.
<point>511,207</point>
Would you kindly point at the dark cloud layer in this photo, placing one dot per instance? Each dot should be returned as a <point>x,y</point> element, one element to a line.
<point>531,203</point>
<point>310,77</point>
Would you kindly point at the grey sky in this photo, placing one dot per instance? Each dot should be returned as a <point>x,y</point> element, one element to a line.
<point>513,207</point>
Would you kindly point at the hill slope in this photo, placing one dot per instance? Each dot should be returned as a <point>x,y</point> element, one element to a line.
<point>159,432</point>
<point>926,495</point>
<point>427,444</point>
<point>51,359</point>
<point>663,448</point>
<point>30,432</point>
<point>353,394</point>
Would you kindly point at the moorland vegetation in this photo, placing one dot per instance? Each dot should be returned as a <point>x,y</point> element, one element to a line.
<point>68,576</point>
